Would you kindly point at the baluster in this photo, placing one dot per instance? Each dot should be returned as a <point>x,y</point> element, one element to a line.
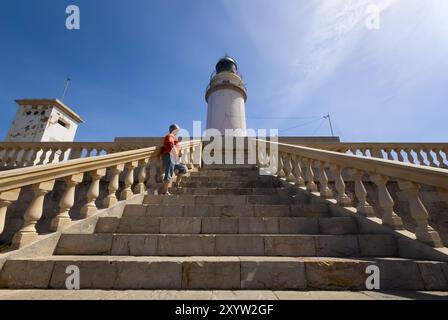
<point>411,158</point>
<point>75,153</point>
<point>342,197</point>
<point>26,158</point>
<point>6,198</point>
<point>440,159</point>
<point>33,213</point>
<point>42,156</point>
<point>386,203</point>
<point>23,159</point>
<point>363,208</point>
<point>430,157</point>
<point>140,187</point>
<point>376,153</point>
<point>424,232</point>
<point>298,174</point>
<point>420,158</point>
<point>152,181</point>
<point>12,158</point>
<point>288,168</point>
<point>62,155</point>
<point>68,199</point>
<point>389,154</point>
<point>309,176</point>
<point>92,194</point>
<point>280,168</point>
<point>52,155</point>
<point>114,184</point>
<point>128,181</point>
<point>325,191</point>
<point>400,155</point>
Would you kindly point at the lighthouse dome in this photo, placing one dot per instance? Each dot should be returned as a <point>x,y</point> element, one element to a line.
<point>226,64</point>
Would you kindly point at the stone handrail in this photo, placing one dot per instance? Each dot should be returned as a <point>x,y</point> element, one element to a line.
<point>307,168</point>
<point>42,179</point>
<point>23,154</point>
<point>426,154</point>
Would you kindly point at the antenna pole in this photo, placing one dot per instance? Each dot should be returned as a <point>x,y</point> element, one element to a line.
<point>67,83</point>
<point>329,121</point>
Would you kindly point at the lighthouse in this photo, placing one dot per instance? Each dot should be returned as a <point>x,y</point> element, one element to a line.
<point>226,97</point>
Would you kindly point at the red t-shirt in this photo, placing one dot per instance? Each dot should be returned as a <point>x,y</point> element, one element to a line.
<point>167,141</point>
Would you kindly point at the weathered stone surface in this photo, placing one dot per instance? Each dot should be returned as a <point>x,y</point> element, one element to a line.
<point>139,225</point>
<point>186,245</point>
<point>433,276</point>
<point>299,225</point>
<point>338,225</point>
<point>26,274</point>
<point>107,225</point>
<point>400,275</point>
<point>77,244</point>
<point>335,275</point>
<point>134,245</point>
<point>164,211</point>
<point>377,245</point>
<point>148,275</point>
<point>224,274</point>
<point>294,246</point>
<point>134,210</point>
<point>220,225</point>
<point>272,210</point>
<point>180,225</point>
<point>258,225</point>
<point>337,246</point>
<point>239,245</point>
<point>270,275</point>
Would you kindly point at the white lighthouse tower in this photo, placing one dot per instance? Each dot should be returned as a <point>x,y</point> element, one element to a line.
<point>226,97</point>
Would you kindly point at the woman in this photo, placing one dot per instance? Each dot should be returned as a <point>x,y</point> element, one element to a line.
<point>170,156</point>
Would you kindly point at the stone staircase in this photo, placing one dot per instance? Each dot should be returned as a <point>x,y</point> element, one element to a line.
<point>228,228</point>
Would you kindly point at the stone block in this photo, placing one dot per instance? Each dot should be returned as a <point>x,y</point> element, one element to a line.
<point>377,245</point>
<point>134,245</point>
<point>337,246</point>
<point>84,244</point>
<point>258,225</point>
<point>223,274</point>
<point>338,225</point>
<point>299,225</point>
<point>220,225</point>
<point>180,225</point>
<point>107,225</point>
<point>294,246</point>
<point>239,245</point>
<point>186,245</point>
<point>26,274</point>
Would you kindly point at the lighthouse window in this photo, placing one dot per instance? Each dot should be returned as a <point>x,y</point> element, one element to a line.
<point>62,123</point>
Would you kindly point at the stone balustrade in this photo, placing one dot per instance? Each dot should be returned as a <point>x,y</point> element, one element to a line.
<point>41,181</point>
<point>308,168</point>
<point>24,154</point>
<point>425,154</point>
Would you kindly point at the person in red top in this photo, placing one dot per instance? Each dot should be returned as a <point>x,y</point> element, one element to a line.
<point>170,155</point>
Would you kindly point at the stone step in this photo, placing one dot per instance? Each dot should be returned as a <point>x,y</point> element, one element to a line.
<point>229,167</point>
<point>225,173</point>
<point>204,210</point>
<point>292,245</point>
<point>231,184</point>
<point>247,273</point>
<point>200,225</point>
<point>224,199</point>
<point>236,178</point>
<point>233,191</point>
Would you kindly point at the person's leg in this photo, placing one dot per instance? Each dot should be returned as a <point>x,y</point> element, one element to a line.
<point>169,169</point>
<point>181,169</point>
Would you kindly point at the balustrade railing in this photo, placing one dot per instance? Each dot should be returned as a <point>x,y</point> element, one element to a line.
<point>24,154</point>
<point>425,154</point>
<point>307,167</point>
<point>42,180</point>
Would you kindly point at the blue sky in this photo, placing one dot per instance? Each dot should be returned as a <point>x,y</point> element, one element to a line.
<point>139,65</point>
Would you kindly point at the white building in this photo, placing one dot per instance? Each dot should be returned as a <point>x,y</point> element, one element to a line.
<point>43,120</point>
<point>226,97</point>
